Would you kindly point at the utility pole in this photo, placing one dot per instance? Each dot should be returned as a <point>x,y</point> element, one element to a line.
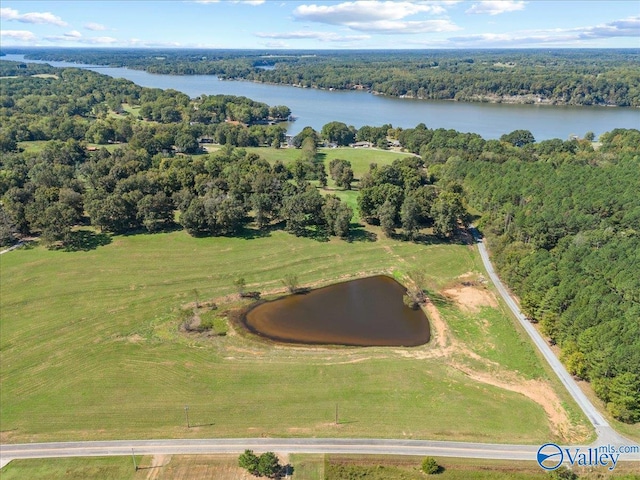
<point>186,413</point>
<point>336,414</point>
<point>135,465</point>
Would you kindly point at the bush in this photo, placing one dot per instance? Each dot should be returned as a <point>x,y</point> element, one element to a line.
<point>266,465</point>
<point>291,282</point>
<point>249,461</point>
<point>430,466</point>
<point>562,473</point>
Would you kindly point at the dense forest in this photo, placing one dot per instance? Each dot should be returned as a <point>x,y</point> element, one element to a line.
<point>139,185</point>
<point>562,218</point>
<point>561,77</point>
<point>563,223</point>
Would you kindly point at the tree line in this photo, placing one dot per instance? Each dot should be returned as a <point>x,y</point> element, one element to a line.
<point>563,225</point>
<point>557,76</point>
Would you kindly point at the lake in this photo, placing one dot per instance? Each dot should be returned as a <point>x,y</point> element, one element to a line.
<point>363,312</point>
<point>315,108</point>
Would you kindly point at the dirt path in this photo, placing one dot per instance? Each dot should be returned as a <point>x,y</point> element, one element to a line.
<point>537,390</point>
<point>157,462</point>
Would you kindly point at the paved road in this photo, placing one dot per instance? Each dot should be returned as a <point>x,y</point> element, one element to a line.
<point>289,445</point>
<point>606,435</point>
<point>17,245</point>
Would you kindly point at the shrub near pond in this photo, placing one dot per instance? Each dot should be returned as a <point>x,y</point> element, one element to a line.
<point>203,319</point>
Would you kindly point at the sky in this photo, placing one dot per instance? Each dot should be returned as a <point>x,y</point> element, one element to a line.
<point>320,24</point>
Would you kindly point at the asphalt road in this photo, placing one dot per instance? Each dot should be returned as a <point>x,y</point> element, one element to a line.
<point>289,445</point>
<point>606,434</point>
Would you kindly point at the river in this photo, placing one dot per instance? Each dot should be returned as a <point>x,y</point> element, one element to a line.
<point>315,108</point>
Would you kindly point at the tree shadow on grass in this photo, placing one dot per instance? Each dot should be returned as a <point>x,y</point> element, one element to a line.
<point>426,239</point>
<point>358,233</point>
<point>85,240</point>
<point>30,245</point>
<point>196,425</point>
<point>248,233</point>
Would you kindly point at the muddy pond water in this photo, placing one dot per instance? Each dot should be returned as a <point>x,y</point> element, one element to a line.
<point>363,312</point>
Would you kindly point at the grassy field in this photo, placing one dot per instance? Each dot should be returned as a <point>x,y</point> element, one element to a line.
<point>360,158</point>
<point>305,467</point>
<point>96,468</point>
<point>90,348</point>
<point>380,467</point>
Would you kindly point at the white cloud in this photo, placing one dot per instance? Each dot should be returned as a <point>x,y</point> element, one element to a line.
<point>137,42</point>
<point>76,37</point>
<point>73,34</point>
<point>322,36</point>
<point>362,11</point>
<point>375,16</point>
<point>99,40</point>
<point>9,14</point>
<point>628,27</point>
<point>21,35</point>
<point>96,27</point>
<point>408,27</point>
<point>496,7</point>
<point>32,17</point>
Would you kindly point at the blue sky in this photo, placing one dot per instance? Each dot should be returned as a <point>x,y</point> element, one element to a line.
<point>319,24</point>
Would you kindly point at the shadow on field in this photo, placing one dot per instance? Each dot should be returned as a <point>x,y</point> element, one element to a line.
<point>202,425</point>
<point>85,240</point>
<point>359,234</point>
<point>426,239</point>
<point>251,233</point>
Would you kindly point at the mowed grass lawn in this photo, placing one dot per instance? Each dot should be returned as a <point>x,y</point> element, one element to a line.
<point>360,158</point>
<point>90,348</point>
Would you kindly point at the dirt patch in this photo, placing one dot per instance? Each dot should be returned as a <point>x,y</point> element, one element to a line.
<point>537,390</point>
<point>157,463</point>
<point>201,467</point>
<point>442,343</point>
<point>471,298</point>
<point>446,346</point>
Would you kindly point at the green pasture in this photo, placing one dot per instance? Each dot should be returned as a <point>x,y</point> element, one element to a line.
<point>91,349</point>
<point>360,158</point>
<point>97,468</point>
<point>305,467</point>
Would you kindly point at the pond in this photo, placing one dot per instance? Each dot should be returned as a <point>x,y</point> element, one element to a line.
<point>363,312</point>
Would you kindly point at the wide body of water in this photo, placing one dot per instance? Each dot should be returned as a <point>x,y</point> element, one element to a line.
<point>363,312</point>
<point>315,108</point>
